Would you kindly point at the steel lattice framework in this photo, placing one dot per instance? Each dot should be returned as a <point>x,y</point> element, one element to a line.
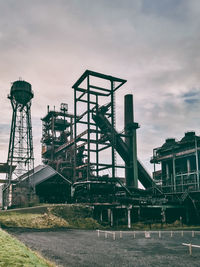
<point>94,90</point>
<point>20,152</point>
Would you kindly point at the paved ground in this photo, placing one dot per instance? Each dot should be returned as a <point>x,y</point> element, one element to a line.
<point>76,248</point>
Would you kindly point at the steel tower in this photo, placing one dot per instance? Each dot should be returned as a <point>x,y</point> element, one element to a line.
<point>20,152</point>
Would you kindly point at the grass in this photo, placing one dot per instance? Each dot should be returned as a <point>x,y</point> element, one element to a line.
<point>14,253</point>
<point>28,220</point>
<point>73,216</point>
<point>77,216</point>
<point>54,216</point>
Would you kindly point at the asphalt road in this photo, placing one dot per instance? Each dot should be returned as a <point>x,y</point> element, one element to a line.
<point>76,248</point>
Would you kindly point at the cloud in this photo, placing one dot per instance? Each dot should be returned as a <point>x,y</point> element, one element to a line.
<point>152,44</point>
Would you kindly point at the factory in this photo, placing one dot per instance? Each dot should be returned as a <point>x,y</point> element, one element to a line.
<point>79,163</point>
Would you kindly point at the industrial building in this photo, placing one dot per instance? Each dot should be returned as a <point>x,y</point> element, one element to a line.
<point>79,153</point>
<point>43,184</point>
<point>178,176</point>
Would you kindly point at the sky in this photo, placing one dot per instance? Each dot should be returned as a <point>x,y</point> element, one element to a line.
<point>152,44</point>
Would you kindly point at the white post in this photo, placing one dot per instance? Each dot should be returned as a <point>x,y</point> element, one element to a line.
<point>98,233</point>
<point>147,234</point>
<point>190,249</point>
<point>120,234</point>
<point>171,234</point>
<point>106,235</point>
<point>159,234</point>
<point>134,234</point>
<point>114,236</point>
<point>192,233</point>
<point>181,233</point>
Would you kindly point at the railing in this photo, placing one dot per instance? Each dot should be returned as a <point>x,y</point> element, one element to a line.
<point>147,234</point>
<point>190,246</point>
<point>182,182</point>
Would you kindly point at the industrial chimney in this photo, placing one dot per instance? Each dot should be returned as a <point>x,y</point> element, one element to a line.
<point>131,171</point>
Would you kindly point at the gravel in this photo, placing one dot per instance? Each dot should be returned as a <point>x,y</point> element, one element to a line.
<point>76,248</point>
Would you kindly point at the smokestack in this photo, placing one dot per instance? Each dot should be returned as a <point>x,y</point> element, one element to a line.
<point>131,170</point>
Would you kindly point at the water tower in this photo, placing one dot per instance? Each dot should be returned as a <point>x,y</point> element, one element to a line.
<point>20,152</point>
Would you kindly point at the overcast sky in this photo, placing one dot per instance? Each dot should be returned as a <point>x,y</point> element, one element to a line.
<point>154,44</point>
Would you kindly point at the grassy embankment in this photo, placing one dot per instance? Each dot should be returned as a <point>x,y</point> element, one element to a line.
<point>74,216</point>
<point>14,253</point>
<point>50,216</point>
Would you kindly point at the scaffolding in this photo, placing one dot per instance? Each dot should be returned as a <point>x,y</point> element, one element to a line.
<point>97,92</point>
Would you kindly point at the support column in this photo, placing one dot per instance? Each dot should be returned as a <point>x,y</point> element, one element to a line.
<point>174,172</point>
<point>101,215</point>
<point>188,166</point>
<point>129,216</point>
<point>75,134</point>
<point>110,216</point>
<point>113,126</point>
<point>88,128</point>
<point>167,171</point>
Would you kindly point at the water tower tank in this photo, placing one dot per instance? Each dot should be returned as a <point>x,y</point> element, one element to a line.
<point>21,91</point>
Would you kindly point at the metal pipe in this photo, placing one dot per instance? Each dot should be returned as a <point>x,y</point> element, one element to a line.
<point>113,126</point>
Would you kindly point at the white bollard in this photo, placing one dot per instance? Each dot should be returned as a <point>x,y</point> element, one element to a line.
<point>134,234</point>
<point>159,234</point>
<point>114,236</point>
<point>120,234</point>
<point>192,233</point>
<point>147,234</point>
<point>171,233</point>
<point>106,235</point>
<point>98,233</point>
<point>181,233</point>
